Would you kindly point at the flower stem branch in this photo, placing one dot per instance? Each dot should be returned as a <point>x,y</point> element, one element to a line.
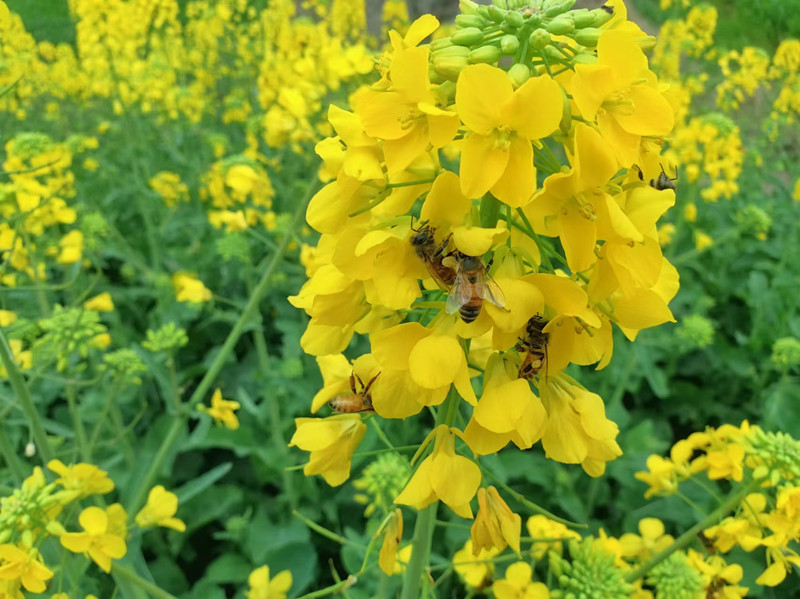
<point>24,397</point>
<point>148,587</point>
<point>210,376</point>
<point>690,535</point>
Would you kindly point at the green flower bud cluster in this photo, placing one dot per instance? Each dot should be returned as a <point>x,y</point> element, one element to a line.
<point>674,578</point>
<point>786,352</point>
<point>590,573</point>
<point>125,365</point>
<point>754,221</point>
<point>382,481</point>
<point>28,509</point>
<point>234,246</point>
<point>696,330</point>
<point>28,145</point>
<point>166,338</point>
<point>94,227</point>
<point>776,455</point>
<point>67,332</point>
<point>526,30</point>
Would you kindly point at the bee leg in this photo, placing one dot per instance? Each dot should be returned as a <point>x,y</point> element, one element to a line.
<point>353,376</point>
<point>444,245</point>
<point>369,384</point>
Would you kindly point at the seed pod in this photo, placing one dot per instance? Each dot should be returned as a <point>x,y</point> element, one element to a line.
<point>539,39</point>
<point>463,21</point>
<point>468,36</point>
<point>588,37</point>
<point>485,54</point>
<point>561,26</point>
<point>519,74</point>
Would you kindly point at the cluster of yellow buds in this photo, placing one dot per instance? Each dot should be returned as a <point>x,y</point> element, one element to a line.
<point>478,263</point>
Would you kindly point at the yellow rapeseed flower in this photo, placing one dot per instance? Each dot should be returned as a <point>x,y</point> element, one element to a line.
<point>189,288</point>
<point>24,566</point>
<point>101,544</point>
<point>262,587</point>
<point>223,411</point>
<point>331,442</point>
<point>160,510</point>
<point>100,303</point>
<point>81,479</point>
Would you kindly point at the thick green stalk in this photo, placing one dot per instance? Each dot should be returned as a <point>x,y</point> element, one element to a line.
<point>691,535</point>
<point>26,402</point>
<point>210,376</point>
<point>12,459</point>
<point>84,450</point>
<point>118,570</point>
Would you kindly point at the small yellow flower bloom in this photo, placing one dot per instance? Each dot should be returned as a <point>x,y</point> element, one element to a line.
<point>331,442</point>
<point>101,544</point>
<point>223,411</point>
<point>7,317</point>
<point>17,563</point>
<point>71,248</point>
<point>517,584</point>
<point>82,479</point>
<point>476,571</point>
<point>495,524</point>
<point>160,510</point>
<point>652,540</point>
<point>189,288</point>
<point>100,303</point>
<point>261,587</point>
<point>393,534</point>
<point>541,527</point>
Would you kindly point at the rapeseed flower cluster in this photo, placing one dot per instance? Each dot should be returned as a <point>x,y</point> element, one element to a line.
<point>36,512</point>
<point>763,519</point>
<point>489,215</point>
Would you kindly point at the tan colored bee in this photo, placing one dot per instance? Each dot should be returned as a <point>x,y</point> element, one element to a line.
<point>534,344</point>
<point>663,181</point>
<point>424,243</point>
<point>472,285</point>
<point>357,401</point>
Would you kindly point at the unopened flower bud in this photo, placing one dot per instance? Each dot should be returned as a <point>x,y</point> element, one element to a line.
<point>557,7</point>
<point>467,36</point>
<point>588,37</point>
<point>602,15</point>
<point>440,44</point>
<point>519,74</point>
<point>449,67</point>
<point>516,4</point>
<point>5,536</point>
<point>509,44</point>
<point>582,18</point>
<point>463,21</point>
<point>55,528</point>
<point>696,330</point>
<point>515,19</point>
<point>485,54</point>
<point>561,26</point>
<point>30,449</point>
<point>496,15</point>
<point>539,39</point>
<point>501,4</point>
<point>786,352</point>
<point>585,58</point>
<point>646,43</point>
<point>552,53</point>
<point>468,7</point>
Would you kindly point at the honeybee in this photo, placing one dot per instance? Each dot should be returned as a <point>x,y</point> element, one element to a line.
<point>472,285</point>
<point>357,401</point>
<point>535,347</point>
<point>663,181</point>
<point>424,244</point>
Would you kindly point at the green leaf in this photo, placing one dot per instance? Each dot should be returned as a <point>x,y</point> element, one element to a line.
<point>202,482</point>
<point>229,568</point>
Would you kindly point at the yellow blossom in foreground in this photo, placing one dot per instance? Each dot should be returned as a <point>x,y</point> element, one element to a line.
<point>223,411</point>
<point>100,303</point>
<point>160,510</point>
<point>331,442</point>
<point>517,584</point>
<point>393,534</point>
<point>445,476</point>
<point>97,540</point>
<point>16,563</point>
<point>189,288</point>
<point>495,524</point>
<point>82,479</point>
<point>261,587</point>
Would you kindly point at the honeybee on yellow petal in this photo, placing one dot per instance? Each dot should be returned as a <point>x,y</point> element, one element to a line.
<point>357,401</point>
<point>663,181</point>
<point>471,287</point>
<point>424,242</point>
<point>534,344</point>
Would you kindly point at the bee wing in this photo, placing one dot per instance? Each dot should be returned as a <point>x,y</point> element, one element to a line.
<point>491,292</point>
<point>459,294</point>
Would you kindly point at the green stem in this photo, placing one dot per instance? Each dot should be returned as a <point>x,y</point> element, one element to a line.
<point>84,449</point>
<point>12,459</point>
<point>690,535</point>
<point>128,574</point>
<point>335,588</point>
<point>325,532</point>
<point>423,539</point>
<point>210,376</point>
<point>26,402</point>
